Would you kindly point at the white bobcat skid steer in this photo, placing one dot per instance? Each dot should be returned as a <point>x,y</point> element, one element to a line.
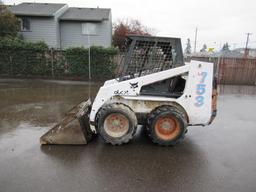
<point>155,89</point>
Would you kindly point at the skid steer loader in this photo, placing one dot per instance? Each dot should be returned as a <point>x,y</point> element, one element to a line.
<point>154,88</point>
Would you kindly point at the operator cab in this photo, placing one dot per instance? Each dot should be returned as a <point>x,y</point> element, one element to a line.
<point>145,55</point>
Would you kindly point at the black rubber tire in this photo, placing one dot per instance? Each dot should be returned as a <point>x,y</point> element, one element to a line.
<point>116,108</point>
<point>161,112</point>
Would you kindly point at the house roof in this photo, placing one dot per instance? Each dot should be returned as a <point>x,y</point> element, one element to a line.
<point>85,14</point>
<point>36,9</point>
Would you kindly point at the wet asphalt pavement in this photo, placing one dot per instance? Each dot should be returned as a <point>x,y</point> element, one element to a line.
<point>220,157</point>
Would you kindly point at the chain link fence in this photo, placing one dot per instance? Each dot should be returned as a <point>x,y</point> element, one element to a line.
<point>70,63</point>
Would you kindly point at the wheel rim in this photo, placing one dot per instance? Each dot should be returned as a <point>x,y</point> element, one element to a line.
<point>167,127</point>
<point>116,125</point>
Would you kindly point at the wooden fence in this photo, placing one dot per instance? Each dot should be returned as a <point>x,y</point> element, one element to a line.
<point>233,71</point>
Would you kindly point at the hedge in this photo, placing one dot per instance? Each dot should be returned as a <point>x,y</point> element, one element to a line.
<point>19,57</point>
<point>102,64</point>
<point>19,44</point>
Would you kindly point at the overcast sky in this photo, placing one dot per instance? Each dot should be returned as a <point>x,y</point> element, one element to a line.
<point>218,21</point>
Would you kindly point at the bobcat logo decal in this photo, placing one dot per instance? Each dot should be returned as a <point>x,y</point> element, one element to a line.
<point>134,85</point>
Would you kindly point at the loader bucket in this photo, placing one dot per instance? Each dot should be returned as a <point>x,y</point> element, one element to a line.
<point>74,128</point>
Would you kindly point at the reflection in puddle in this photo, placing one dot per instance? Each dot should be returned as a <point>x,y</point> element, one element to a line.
<point>39,102</point>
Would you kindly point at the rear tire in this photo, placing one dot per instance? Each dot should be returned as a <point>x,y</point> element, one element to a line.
<point>116,123</point>
<point>166,126</point>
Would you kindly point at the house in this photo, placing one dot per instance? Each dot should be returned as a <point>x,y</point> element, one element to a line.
<point>77,23</point>
<point>61,26</point>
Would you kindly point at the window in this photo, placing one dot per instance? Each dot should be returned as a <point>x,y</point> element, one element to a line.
<point>25,24</point>
<point>89,28</point>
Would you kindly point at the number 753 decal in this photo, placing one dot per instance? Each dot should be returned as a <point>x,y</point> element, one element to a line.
<point>200,89</point>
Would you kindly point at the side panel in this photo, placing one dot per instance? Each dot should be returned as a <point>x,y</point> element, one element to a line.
<point>199,91</point>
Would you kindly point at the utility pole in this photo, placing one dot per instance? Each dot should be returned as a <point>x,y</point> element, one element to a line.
<point>246,50</point>
<point>247,39</point>
<point>195,41</point>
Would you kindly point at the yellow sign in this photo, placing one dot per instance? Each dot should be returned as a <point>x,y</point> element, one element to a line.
<point>211,49</point>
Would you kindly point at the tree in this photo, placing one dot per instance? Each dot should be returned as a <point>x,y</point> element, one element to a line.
<point>9,24</point>
<point>204,48</point>
<point>125,27</point>
<point>225,47</point>
<point>188,47</point>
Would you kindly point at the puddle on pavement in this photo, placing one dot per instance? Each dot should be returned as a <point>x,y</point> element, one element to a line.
<point>39,103</point>
<point>28,108</point>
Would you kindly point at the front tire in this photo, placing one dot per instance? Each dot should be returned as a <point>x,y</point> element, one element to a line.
<point>166,126</point>
<point>116,123</point>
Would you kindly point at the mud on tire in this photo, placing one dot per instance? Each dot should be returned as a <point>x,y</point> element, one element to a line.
<point>116,123</point>
<point>166,126</point>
